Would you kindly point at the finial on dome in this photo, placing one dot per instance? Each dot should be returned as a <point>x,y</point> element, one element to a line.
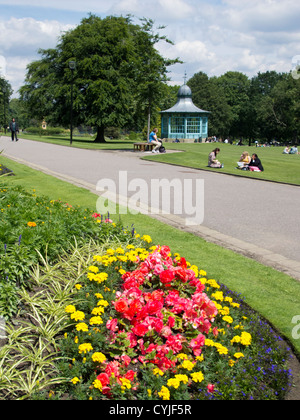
<point>185,78</point>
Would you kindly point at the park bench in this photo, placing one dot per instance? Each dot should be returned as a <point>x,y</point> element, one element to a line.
<point>141,147</point>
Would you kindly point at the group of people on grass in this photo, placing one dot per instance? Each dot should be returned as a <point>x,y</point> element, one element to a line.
<point>290,151</point>
<point>245,163</point>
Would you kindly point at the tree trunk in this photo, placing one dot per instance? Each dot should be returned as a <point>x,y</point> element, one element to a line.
<point>100,135</point>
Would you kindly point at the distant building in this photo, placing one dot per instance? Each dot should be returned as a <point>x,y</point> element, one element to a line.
<point>184,121</point>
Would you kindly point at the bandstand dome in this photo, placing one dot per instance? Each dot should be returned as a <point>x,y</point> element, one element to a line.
<point>184,120</point>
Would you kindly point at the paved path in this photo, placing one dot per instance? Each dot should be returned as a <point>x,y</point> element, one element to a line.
<point>255,218</point>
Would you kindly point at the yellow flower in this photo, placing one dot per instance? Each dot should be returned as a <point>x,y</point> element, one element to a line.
<point>96,320</point>
<point>231,363</point>
<point>31,224</point>
<point>84,348</point>
<point>78,286</point>
<point>218,296</point>
<point>82,327</point>
<point>103,302</point>
<point>236,339</point>
<point>238,355</point>
<point>75,380</point>
<point>157,372</point>
<point>70,309</point>
<point>186,364</point>
<point>98,357</point>
<point>228,319</point>
<point>246,338</point>
<point>182,378</point>
<point>98,296</point>
<point>147,238</point>
<point>97,384</point>
<point>222,350</point>
<point>164,393</point>
<point>209,343</point>
<point>126,384</point>
<point>197,376</point>
<point>94,269</point>
<point>98,311</point>
<point>174,382</point>
<point>149,392</point>
<point>182,356</point>
<point>78,316</point>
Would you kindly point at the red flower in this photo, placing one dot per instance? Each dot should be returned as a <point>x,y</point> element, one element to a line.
<point>121,306</point>
<point>96,215</point>
<point>103,378</point>
<point>166,276</point>
<point>130,375</point>
<point>140,330</point>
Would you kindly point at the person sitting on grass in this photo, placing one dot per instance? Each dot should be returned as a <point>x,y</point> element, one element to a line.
<point>213,161</point>
<point>255,164</point>
<point>244,161</point>
<point>294,151</point>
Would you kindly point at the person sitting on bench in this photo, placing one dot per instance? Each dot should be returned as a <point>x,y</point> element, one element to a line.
<point>154,140</point>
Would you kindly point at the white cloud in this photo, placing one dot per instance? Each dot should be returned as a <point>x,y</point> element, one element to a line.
<point>20,40</point>
<point>213,36</point>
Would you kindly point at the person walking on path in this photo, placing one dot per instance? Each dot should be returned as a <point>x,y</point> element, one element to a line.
<point>14,129</point>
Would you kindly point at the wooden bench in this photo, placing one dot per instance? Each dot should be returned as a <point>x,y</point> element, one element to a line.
<point>141,147</point>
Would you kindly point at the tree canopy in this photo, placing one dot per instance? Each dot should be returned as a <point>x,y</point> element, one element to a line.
<point>265,107</point>
<point>118,71</point>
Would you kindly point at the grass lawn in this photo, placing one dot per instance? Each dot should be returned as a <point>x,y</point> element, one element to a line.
<point>278,167</point>
<point>274,295</point>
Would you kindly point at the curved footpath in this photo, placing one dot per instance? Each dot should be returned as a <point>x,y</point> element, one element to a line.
<point>257,219</point>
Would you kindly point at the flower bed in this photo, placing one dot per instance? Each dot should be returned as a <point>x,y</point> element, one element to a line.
<point>147,325</point>
<point>34,228</point>
<point>139,324</point>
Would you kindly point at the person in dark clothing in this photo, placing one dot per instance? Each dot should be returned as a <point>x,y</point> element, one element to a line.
<point>255,164</point>
<point>14,129</point>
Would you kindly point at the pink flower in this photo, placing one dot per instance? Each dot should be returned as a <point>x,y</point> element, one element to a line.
<point>126,360</point>
<point>171,321</point>
<point>112,324</point>
<point>210,388</point>
<point>197,343</point>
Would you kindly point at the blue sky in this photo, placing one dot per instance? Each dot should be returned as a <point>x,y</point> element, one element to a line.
<point>213,36</point>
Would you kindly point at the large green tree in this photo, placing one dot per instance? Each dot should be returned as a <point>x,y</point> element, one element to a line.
<point>5,94</point>
<point>117,70</point>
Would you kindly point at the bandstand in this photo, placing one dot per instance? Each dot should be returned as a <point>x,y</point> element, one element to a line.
<point>184,121</point>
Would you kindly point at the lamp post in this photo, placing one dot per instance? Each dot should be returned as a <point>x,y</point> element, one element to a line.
<point>72,66</point>
<point>4,104</point>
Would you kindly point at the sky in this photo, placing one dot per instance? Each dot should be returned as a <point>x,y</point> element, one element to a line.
<point>212,36</point>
